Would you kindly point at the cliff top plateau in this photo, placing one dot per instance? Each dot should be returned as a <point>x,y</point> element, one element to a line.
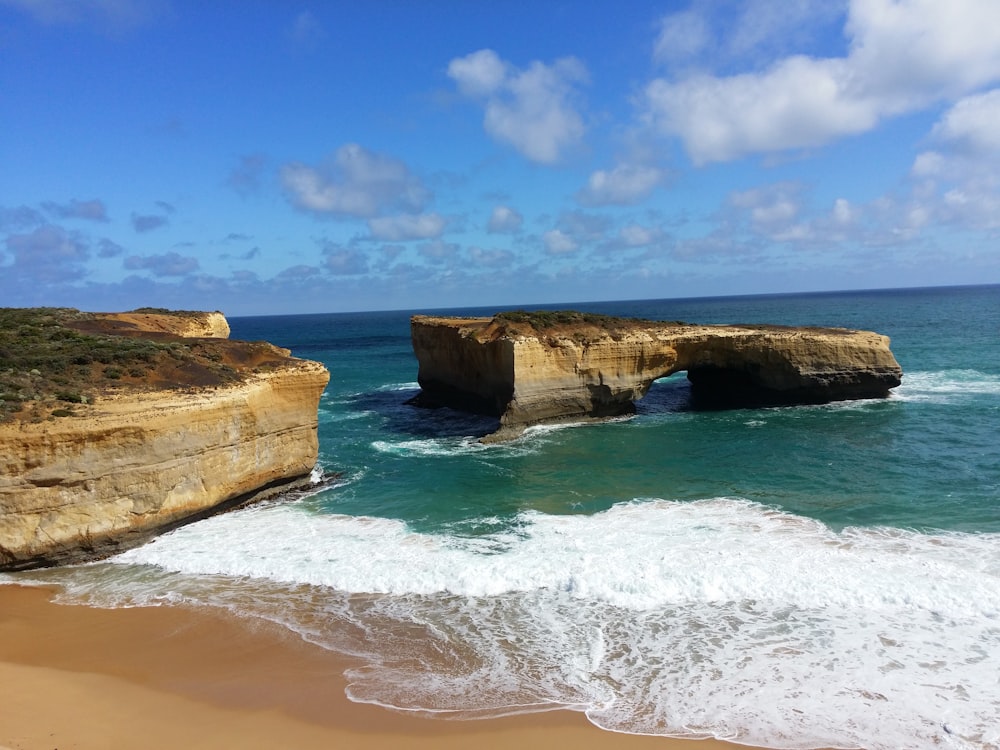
<point>55,361</point>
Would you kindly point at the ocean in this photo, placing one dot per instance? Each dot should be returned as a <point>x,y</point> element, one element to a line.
<point>795,577</point>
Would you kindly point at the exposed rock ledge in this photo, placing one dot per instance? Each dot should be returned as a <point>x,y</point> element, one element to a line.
<point>531,368</point>
<point>138,462</point>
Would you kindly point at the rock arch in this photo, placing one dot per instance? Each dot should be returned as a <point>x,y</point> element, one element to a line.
<point>529,371</point>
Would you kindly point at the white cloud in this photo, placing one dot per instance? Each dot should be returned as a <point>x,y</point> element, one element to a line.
<point>843,212</point>
<point>354,182</point>
<point>911,52</point>
<point>478,74</point>
<point>504,219</point>
<point>682,36</point>
<point>972,126</point>
<point>624,185</point>
<point>532,110</point>
<point>799,103</point>
<point>958,182</point>
<point>407,227</point>
<point>928,164</point>
<point>558,242</point>
<point>904,55</point>
<point>635,235</point>
<point>769,207</point>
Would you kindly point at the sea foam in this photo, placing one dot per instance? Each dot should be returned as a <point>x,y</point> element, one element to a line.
<point>712,618</point>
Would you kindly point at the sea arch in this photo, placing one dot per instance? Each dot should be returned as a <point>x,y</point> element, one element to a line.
<point>527,373</point>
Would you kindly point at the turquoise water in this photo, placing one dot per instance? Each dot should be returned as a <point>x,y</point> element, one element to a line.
<point>788,577</point>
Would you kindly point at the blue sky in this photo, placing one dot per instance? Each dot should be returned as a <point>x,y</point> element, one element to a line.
<point>277,157</point>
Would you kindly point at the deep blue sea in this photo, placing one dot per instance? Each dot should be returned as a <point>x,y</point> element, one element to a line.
<point>816,576</point>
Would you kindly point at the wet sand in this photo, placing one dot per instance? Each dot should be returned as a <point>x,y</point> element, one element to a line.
<point>77,678</point>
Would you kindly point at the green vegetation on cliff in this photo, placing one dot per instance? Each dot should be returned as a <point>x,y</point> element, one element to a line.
<point>570,322</point>
<point>54,358</point>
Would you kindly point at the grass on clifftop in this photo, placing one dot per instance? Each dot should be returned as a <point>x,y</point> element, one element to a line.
<point>48,366</point>
<point>556,321</point>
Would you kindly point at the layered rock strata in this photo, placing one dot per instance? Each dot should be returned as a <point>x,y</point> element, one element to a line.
<point>139,462</point>
<point>588,367</point>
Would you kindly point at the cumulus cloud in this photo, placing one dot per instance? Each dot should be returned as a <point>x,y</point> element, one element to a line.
<point>48,254</point>
<point>407,227</point>
<point>503,220</point>
<point>769,206</point>
<point>903,55</point>
<point>635,235</point>
<point>624,185</point>
<point>971,125</point>
<point>478,74</point>
<point>958,182</point>
<point>344,261</point>
<point>558,242</point>
<point>534,110</point>
<point>774,212</point>
<point>354,182</point>
<point>92,209</point>
<point>167,264</point>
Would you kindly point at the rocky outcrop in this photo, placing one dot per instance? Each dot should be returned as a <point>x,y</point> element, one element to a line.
<point>530,369</point>
<point>187,324</point>
<point>138,462</point>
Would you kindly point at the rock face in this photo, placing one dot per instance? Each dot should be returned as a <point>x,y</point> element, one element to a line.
<point>138,463</point>
<point>587,367</point>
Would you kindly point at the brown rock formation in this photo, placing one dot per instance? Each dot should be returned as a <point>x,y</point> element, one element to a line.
<point>188,324</point>
<point>142,460</point>
<point>535,368</point>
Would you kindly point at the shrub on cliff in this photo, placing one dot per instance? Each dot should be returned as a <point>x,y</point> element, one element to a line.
<point>51,354</point>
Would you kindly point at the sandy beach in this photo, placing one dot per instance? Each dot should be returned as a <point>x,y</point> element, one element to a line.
<point>169,677</point>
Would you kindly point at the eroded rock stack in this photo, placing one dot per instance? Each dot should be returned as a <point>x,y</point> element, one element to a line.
<point>549,367</point>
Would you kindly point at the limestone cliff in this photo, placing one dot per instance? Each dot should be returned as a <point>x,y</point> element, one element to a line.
<point>136,461</point>
<point>188,324</point>
<point>529,370</point>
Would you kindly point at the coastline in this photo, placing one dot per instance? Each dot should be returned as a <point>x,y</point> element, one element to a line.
<point>166,677</point>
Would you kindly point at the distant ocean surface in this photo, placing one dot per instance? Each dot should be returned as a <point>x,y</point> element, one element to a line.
<point>816,576</point>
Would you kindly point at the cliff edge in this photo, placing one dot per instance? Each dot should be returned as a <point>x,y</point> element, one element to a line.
<point>532,368</point>
<point>118,426</point>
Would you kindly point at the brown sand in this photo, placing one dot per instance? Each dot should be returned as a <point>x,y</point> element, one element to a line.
<point>76,678</point>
